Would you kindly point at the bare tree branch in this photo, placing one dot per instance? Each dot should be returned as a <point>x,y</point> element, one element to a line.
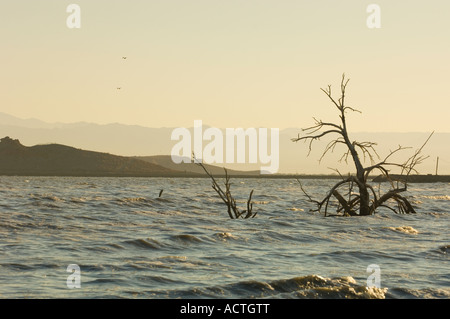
<point>227,198</point>
<point>366,200</point>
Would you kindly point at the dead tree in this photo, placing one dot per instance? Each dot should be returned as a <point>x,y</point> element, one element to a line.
<point>233,211</point>
<point>365,200</point>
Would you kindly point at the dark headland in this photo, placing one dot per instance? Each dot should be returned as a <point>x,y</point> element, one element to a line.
<point>61,160</point>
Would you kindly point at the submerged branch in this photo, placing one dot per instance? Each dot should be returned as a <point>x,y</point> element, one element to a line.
<point>227,198</point>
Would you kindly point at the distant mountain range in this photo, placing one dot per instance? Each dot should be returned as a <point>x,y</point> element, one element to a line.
<point>138,141</point>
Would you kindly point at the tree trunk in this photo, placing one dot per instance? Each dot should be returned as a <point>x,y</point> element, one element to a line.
<point>364,203</point>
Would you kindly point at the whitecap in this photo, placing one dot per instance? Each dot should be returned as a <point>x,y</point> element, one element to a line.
<point>225,236</point>
<point>405,229</point>
<point>439,197</point>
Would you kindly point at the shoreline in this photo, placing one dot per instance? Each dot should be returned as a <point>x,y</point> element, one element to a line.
<point>375,179</point>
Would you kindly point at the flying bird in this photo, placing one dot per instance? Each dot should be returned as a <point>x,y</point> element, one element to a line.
<point>124,57</point>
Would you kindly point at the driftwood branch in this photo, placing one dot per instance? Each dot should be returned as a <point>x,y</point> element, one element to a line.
<point>233,211</point>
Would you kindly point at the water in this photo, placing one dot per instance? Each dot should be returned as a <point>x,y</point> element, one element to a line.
<point>129,243</point>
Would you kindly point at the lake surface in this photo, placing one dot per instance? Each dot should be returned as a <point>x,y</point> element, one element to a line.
<point>128,243</point>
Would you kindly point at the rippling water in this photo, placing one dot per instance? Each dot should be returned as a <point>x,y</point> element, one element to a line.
<point>129,243</point>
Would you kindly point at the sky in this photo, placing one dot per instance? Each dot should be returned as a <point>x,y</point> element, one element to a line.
<point>246,63</point>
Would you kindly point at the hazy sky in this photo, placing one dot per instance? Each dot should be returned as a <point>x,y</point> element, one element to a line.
<point>246,63</point>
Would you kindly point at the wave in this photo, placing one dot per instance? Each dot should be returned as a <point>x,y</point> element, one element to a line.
<point>173,241</point>
<point>134,201</point>
<point>52,198</point>
<point>88,217</point>
<point>143,264</point>
<point>79,200</point>
<point>163,200</point>
<point>17,266</point>
<point>46,201</point>
<point>404,229</point>
<point>87,184</point>
<point>46,197</point>
<point>105,281</point>
<point>116,246</point>
<point>8,226</point>
<point>157,279</point>
<point>268,197</point>
<point>428,293</point>
<point>147,243</point>
<point>224,236</point>
<point>304,287</point>
<point>173,258</point>
<point>186,239</point>
<point>313,286</point>
<point>437,197</point>
<point>260,202</point>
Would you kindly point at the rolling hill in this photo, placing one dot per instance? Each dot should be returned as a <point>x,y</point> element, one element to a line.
<point>61,160</point>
